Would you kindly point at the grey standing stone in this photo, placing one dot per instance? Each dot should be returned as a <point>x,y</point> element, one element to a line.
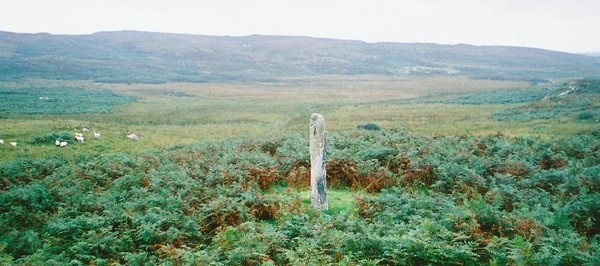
<point>318,182</point>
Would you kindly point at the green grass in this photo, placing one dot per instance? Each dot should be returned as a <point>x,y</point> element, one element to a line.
<point>58,100</point>
<point>340,200</point>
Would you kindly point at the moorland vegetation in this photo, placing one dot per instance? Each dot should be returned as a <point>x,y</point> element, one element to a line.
<point>402,199</point>
<point>147,57</point>
<point>437,155</point>
<point>398,197</point>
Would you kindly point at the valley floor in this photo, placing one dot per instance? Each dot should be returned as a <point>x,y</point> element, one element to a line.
<point>170,114</point>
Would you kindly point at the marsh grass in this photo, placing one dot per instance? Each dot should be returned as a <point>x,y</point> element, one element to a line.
<point>179,113</point>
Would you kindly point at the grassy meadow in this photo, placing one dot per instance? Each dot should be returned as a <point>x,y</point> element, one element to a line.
<point>178,113</point>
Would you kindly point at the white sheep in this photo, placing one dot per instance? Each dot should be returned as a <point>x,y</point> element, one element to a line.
<point>79,137</point>
<point>1,141</point>
<point>96,135</point>
<point>133,136</point>
<point>63,144</point>
<point>85,129</point>
<point>14,144</point>
<point>57,142</point>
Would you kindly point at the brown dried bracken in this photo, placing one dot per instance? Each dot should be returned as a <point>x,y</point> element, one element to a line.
<point>552,163</point>
<point>264,177</point>
<point>423,175</point>
<point>299,176</point>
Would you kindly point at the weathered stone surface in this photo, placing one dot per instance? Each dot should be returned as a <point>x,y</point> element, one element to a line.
<point>318,152</point>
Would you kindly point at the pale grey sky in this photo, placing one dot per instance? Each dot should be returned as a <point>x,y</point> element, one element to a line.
<point>562,25</point>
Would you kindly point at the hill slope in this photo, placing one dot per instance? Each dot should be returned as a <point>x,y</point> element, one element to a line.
<point>160,57</point>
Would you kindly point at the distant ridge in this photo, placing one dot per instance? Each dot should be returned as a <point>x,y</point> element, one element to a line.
<point>147,57</point>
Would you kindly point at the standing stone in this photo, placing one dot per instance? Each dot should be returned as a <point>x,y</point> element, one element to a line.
<point>318,182</point>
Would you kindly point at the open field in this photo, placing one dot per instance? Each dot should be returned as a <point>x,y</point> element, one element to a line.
<point>178,113</point>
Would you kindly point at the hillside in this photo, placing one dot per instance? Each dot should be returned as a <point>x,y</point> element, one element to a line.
<point>129,57</point>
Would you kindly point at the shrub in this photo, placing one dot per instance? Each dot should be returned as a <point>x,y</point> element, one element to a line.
<point>585,116</point>
<point>51,137</point>
<point>369,126</point>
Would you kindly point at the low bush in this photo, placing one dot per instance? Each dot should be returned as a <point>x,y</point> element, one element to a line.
<point>369,126</point>
<point>50,138</point>
<point>585,116</point>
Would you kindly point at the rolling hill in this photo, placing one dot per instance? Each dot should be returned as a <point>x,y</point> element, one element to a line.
<point>145,57</point>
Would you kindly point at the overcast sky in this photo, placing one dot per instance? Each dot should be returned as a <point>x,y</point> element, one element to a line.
<point>562,25</point>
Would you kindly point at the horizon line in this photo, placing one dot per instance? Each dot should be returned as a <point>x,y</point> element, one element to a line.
<point>587,53</point>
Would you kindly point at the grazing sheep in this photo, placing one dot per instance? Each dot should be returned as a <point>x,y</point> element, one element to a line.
<point>96,135</point>
<point>1,141</point>
<point>133,136</point>
<point>63,144</point>
<point>79,137</point>
<point>85,129</point>
<point>57,142</point>
<point>14,144</point>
